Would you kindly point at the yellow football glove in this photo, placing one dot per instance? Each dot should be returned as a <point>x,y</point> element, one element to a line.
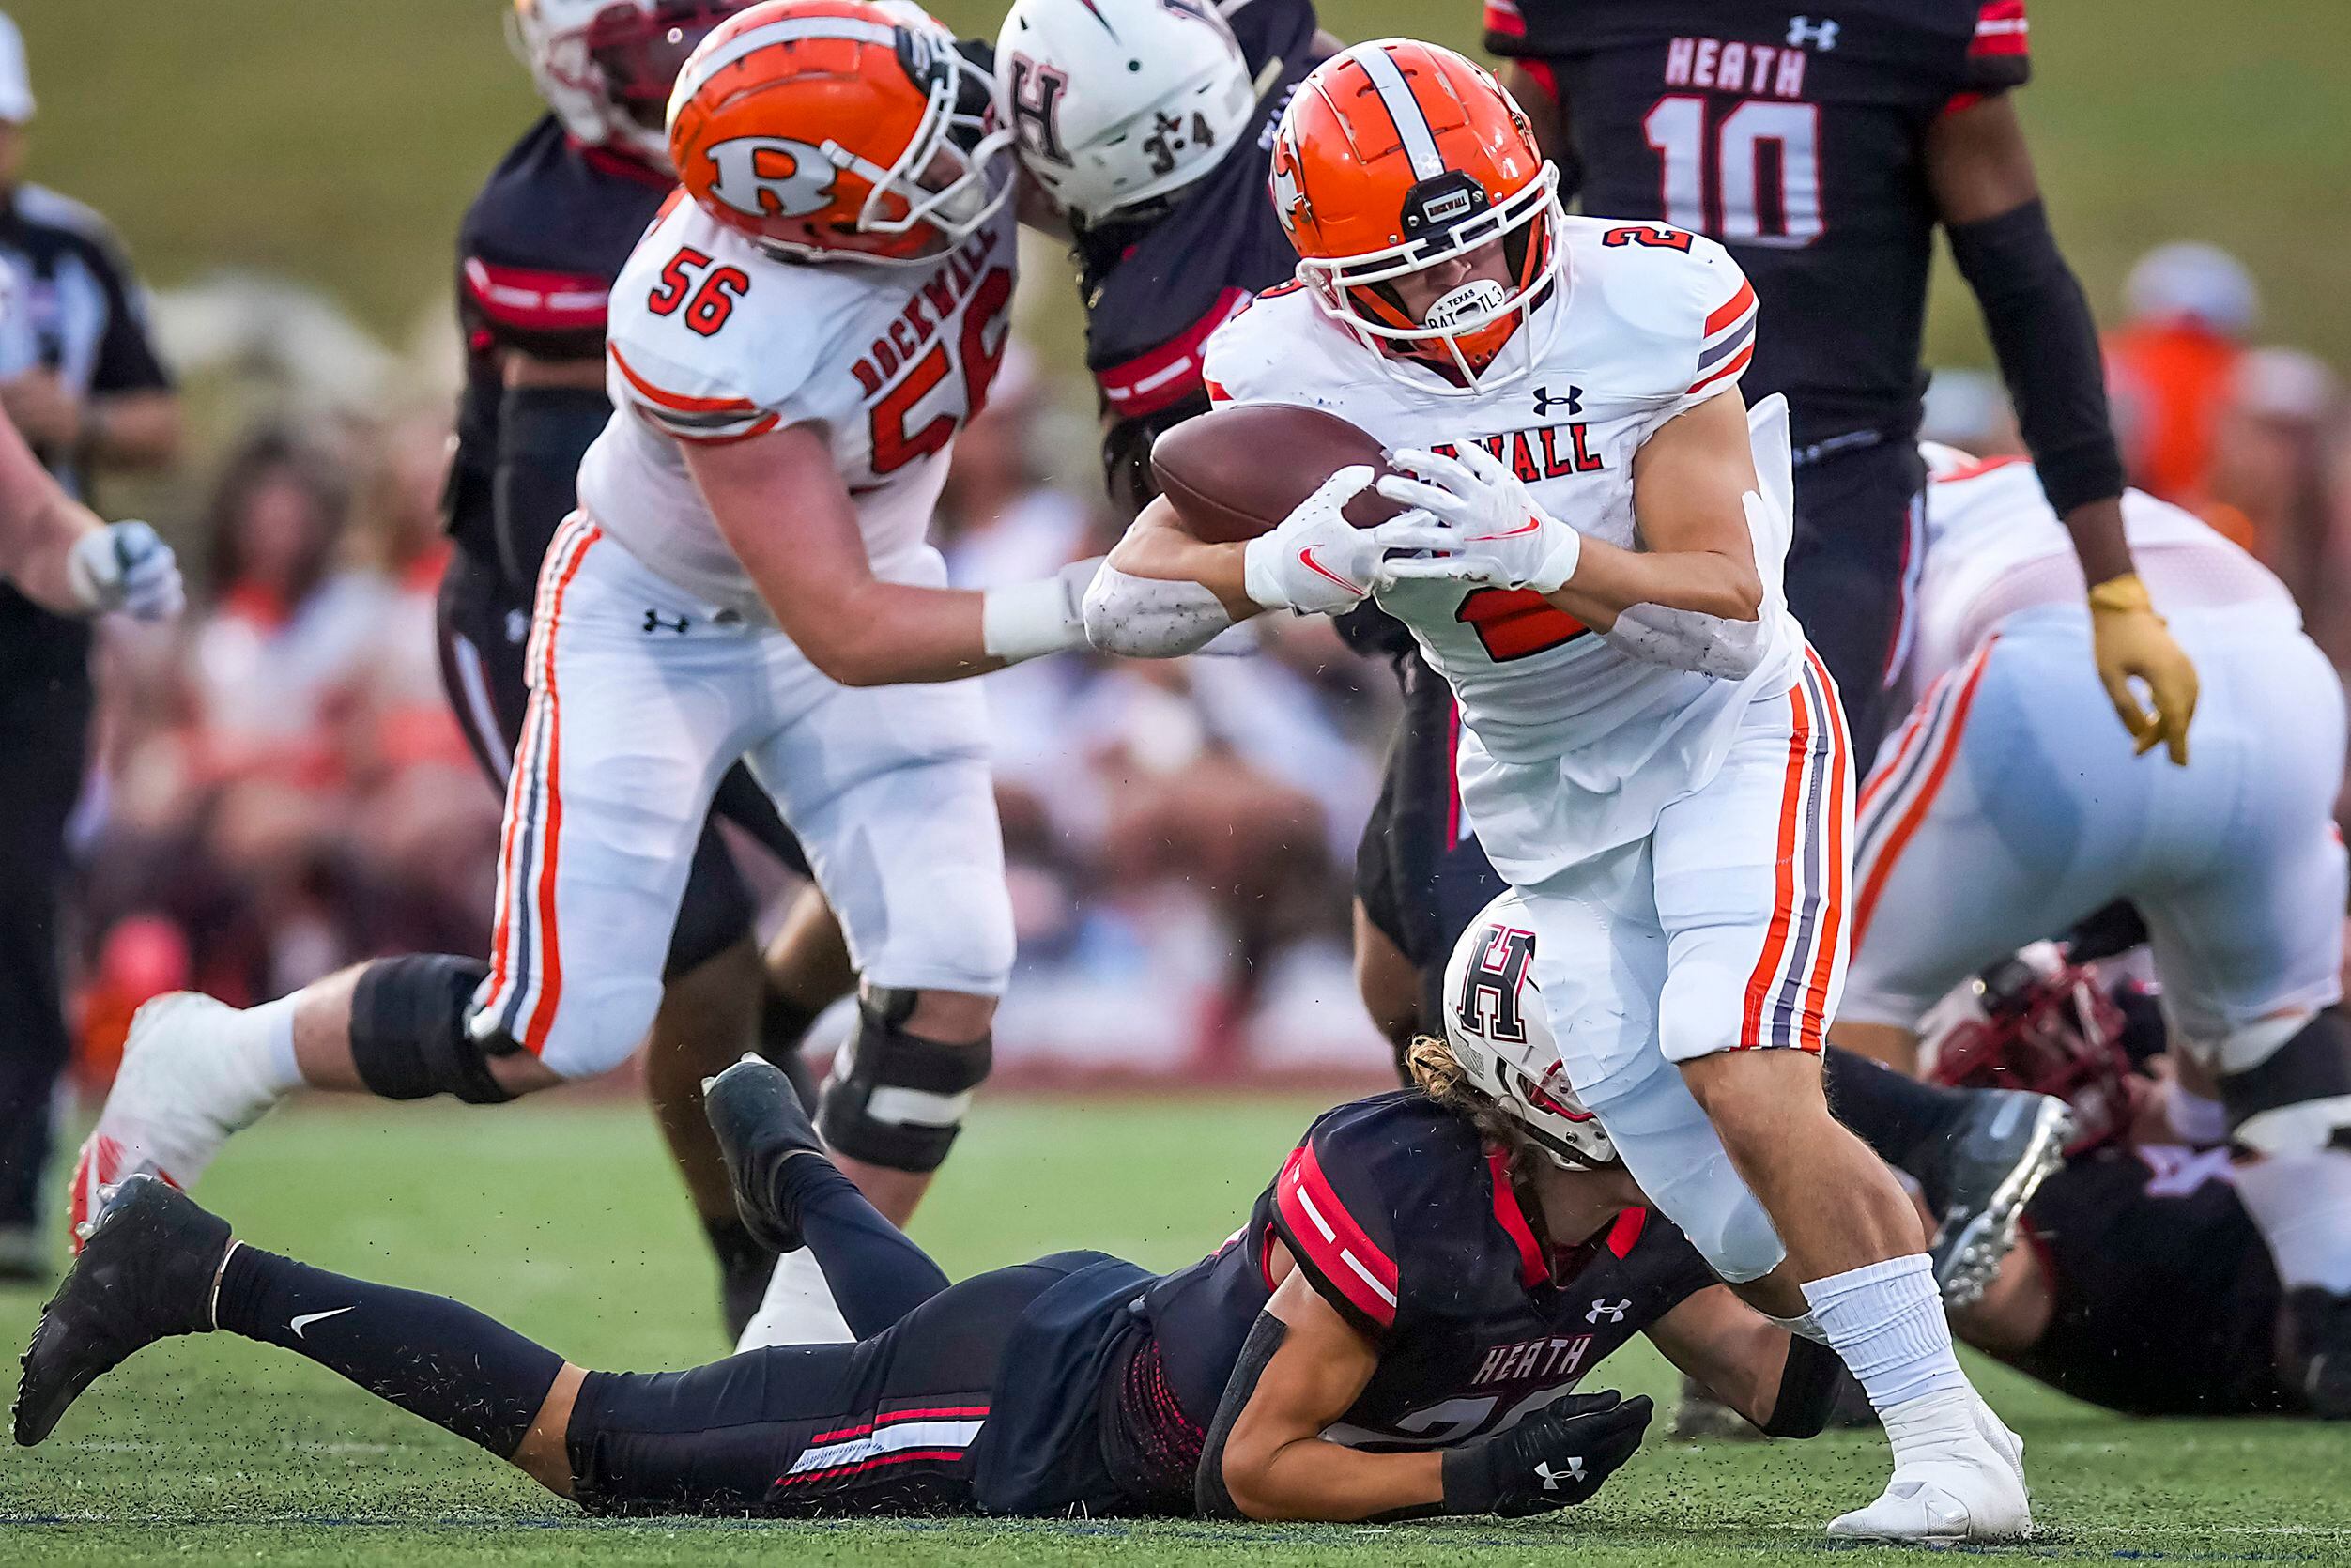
<point>2129,639</point>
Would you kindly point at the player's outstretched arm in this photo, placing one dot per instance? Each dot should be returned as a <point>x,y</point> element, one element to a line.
<point>1164,592</point>
<point>1784,1385</point>
<point>1303,1367</point>
<point>2041,329</point>
<point>64,557</point>
<point>786,515</point>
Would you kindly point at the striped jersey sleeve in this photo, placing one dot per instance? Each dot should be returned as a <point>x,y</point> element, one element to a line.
<point>1342,1241</point>
<point>1728,321</point>
<point>1998,54</point>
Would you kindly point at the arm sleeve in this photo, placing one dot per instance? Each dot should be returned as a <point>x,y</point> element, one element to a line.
<point>2046,340</point>
<point>542,433</point>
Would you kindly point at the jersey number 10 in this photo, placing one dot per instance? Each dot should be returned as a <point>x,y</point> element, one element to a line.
<point>1757,146</point>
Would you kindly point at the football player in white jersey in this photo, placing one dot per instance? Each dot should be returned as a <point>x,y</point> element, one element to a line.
<point>1651,755</point>
<point>792,348</point>
<point>2003,812</point>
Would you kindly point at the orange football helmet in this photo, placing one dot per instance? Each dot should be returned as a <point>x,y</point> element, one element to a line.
<point>831,131</point>
<point>1395,157</point>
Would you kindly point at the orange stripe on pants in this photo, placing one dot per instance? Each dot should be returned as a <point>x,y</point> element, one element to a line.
<point>551,976</point>
<point>1946,751</point>
<point>1784,895</point>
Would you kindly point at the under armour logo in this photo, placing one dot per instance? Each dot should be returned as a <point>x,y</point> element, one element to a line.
<point>1802,30</point>
<point>656,621</point>
<point>1613,1311</point>
<point>1552,1478</point>
<point>1574,401</point>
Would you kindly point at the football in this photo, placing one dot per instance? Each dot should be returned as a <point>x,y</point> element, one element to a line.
<point>1234,473</point>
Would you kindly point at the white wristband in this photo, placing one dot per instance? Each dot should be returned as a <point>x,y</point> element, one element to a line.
<point>1029,620</point>
<point>1559,565</point>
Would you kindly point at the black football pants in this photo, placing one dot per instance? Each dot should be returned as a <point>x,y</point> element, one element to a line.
<point>44,716</point>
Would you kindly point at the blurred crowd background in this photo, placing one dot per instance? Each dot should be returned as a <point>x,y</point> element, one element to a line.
<point>278,789</point>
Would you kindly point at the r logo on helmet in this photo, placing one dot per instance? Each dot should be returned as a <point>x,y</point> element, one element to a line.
<point>771,176</point>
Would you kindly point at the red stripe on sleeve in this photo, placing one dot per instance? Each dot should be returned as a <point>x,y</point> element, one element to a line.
<point>1170,373</point>
<point>537,301</point>
<point>1731,309</point>
<point>2001,28</point>
<point>1329,1237</point>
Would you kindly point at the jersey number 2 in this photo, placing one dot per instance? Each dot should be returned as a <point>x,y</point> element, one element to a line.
<point>894,445</point>
<point>1516,623</point>
<point>712,303</point>
<point>1759,144</point>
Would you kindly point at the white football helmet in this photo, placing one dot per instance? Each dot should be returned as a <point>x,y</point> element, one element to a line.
<point>606,67</point>
<point>1118,103</point>
<point>1495,1028</point>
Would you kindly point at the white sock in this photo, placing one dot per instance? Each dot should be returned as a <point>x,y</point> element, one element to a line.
<point>1885,1320</point>
<point>798,1308</point>
<point>2301,1204</point>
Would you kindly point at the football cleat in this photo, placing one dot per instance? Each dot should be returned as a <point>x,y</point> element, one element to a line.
<point>1981,1180</point>
<point>762,1126</point>
<point>182,1089</point>
<point>2322,1339</point>
<point>146,1273</point>
<point>1974,1496</point>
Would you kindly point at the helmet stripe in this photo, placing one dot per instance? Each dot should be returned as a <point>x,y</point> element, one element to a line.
<point>1412,125</point>
<point>847,29</point>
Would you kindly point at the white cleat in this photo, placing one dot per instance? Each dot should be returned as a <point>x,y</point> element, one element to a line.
<point>1975,1494</point>
<point>183,1087</point>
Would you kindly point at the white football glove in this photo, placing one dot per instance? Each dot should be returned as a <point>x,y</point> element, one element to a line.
<point>1316,562</point>
<point>125,566</point>
<point>1499,535</point>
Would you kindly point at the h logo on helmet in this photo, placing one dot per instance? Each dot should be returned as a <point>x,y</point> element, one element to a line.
<point>1037,91</point>
<point>1491,986</point>
<point>771,176</point>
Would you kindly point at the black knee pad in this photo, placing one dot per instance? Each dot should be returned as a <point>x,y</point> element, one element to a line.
<point>2297,1098</point>
<point>897,1099</point>
<point>408,1035</point>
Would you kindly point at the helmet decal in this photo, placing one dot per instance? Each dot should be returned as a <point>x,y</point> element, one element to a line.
<point>1033,92</point>
<point>1497,974</point>
<point>768,177</point>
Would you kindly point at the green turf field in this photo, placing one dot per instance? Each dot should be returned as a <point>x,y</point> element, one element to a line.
<point>563,1219</point>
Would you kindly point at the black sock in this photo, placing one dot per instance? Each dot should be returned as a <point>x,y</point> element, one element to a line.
<point>877,1275</point>
<point>1900,1118</point>
<point>743,1267</point>
<point>429,1355</point>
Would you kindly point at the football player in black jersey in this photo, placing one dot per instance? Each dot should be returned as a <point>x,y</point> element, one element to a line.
<point>537,253</point>
<point>2143,1285</point>
<point>1147,126</point>
<point>1427,1281</point>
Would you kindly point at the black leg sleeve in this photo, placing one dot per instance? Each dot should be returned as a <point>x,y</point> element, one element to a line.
<point>45,721</point>
<point>877,1274</point>
<point>433,1357</point>
<point>1898,1117</point>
